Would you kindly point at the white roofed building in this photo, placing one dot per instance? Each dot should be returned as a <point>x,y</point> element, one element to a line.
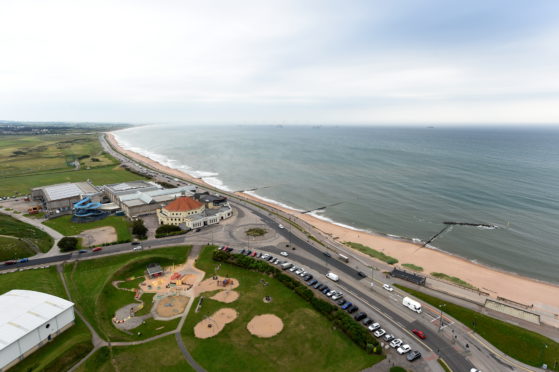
<point>28,320</point>
<point>60,198</point>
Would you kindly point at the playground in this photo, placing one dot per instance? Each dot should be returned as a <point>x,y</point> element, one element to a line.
<point>213,324</point>
<point>265,326</point>
<point>216,283</point>
<point>171,306</point>
<point>226,296</point>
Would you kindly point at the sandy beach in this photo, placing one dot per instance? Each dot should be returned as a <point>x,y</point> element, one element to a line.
<point>544,296</point>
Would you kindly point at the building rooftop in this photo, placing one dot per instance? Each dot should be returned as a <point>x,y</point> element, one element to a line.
<point>132,186</point>
<point>22,311</point>
<point>67,190</point>
<point>183,204</point>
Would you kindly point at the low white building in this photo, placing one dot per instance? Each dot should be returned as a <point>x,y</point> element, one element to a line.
<point>191,214</point>
<point>28,320</point>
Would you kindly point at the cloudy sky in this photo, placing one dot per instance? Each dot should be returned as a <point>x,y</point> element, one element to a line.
<point>310,62</point>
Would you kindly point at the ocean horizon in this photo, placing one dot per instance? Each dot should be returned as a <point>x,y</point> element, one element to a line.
<point>399,182</point>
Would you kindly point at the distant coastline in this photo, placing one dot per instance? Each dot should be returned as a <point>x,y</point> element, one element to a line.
<point>500,283</point>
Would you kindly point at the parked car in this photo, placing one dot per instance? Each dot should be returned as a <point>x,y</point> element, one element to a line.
<point>23,260</point>
<point>413,355</point>
<point>313,282</point>
<point>284,254</point>
<point>309,277</point>
<point>373,327</point>
<point>318,284</point>
<point>360,316</point>
<point>352,309</point>
<point>330,293</point>
<point>337,296</point>
<point>97,249</point>
<point>321,287</point>
<point>419,333</point>
<point>229,249</point>
<point>299,271</point>
<point>341,302</point>
<point>138,248</point>
<point>388,337</point>
<point>346,305</point>
<point>269,258</point>
<point>254,254</point>
<point>367,321</point>
<point>404,349</point>
<point>327,254</point>
<point>135,243</point>
<point>243,251</point>
<point>265,256</point>
<point>325,290</point>
<point>293,268</point>
<point>396,343</point>
<point>387,287</point>
<point>11,262</point>
<point>303,273</point>
<point>361,274</point>
<point>248,253</point>
<point>379,332</point>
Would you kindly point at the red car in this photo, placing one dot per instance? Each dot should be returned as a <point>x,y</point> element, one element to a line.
<point>419,333</point>
<point>10,262</point>
<point>96,249</point>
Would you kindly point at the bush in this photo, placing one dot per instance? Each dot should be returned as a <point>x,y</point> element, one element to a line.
<point>139,229</point>
<point>68,243</point>
<point>166,229</point>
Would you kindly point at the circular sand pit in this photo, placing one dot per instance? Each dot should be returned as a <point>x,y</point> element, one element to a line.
<point>171,306</point>
<point>266,325</point>
<point>267,299</point>
<point>213,324</point>
<point>225,296</point>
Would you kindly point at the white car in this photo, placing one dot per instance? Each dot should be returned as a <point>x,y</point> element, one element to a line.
<point>474,370</point>
<point>404,349</point>
<point>264,256</point>
<point>280,226</point>
<point>303,273</point>
<point>298,271</point>
<point>293,268</point>
<point>387,287</point>
<point>330,293</point>
<point>396,343</point>
<point>284,254</point>
<point>373,327</point>
<point>379,332</point>
<point>337,296</point>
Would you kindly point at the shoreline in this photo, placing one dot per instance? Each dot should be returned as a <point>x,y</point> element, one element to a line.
<point>542,295</point>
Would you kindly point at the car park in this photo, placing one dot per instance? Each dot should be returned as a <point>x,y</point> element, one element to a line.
<point>284,254</point>
<point>413,355</point>
<point>360,316</point>
<point>96,249</point>
<point>388,337</point>
<point>367,321</point>
<point>373,327</point>
<point>352,309</point>
<point>419,333</point>
<point>404,349</point>
<point>379,332</point>
<point>346,305</point>
<point>361,274</point>
<point>395,343</point>
<point>387,287</point>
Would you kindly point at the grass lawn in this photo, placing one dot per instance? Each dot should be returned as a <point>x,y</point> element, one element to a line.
<point>65,349</point>
<point>453,279</point>
<point>256,231</point>
<point>90,281</point>
<point>372,252</point>
<point>99,176</point>
<point>12,227</point>
<point>158,355</point>
<point>14,248</point>
<point>413,267</point>
<point>521,344</point>
<point>308,341</point>
<point>66,227</point>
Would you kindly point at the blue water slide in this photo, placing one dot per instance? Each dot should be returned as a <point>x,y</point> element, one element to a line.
<point>85,208</point>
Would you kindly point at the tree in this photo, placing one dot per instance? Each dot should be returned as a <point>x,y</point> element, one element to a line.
<point>68,243</point>
<point>139,229</point>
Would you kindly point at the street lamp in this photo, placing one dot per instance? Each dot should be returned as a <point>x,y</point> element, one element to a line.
<point>441,308</point>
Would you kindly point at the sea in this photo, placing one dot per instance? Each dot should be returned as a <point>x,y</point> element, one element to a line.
<point>397,181</point>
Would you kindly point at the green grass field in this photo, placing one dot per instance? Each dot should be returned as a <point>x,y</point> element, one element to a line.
<point>14,248</point>
<point>66,227</point>
<point>65,349</point>
<point>413,267</point>
<point>158,355</point>
<point>99,176</point>
<point>11,227</point>
<point>308,341</point>
<point>453,279</point>
<point>521,344</point>
<point>372,252</point>
<point>89,282</point>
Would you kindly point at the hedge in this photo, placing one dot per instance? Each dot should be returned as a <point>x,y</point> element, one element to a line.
<point>354,330</point>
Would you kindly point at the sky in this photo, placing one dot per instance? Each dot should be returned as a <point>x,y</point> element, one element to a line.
<point>293,62</point>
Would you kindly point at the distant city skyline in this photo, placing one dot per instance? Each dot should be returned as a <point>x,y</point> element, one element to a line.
<point>280,62</point>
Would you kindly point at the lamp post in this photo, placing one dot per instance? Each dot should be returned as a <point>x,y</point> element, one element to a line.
<point>441,308</point>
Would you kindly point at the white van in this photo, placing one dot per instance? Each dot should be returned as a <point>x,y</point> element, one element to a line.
<point>332,276</point>
<point>138,248</point>
<point>412,304</point>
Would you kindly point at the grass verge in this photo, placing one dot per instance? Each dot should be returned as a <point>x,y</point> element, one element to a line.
<point>453,279</point>
<point>519,343</point>
<point>443,364</point>
<point>372,252</point>
<point>12,248</point>
<point>308,340</point>
<point>11,227</point>
<point>412,267</point>
<point>66,227</point>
